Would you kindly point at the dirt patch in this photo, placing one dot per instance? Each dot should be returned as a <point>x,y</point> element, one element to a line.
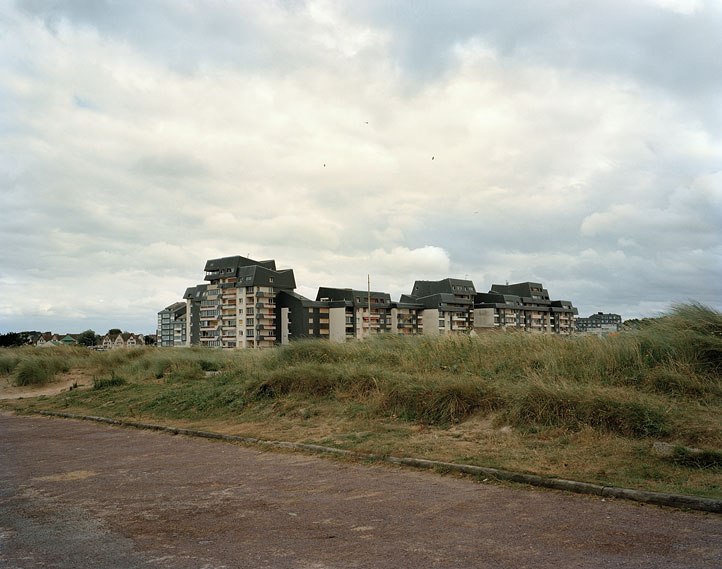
<point>75,378</point>
<point>67,476</point>
<point>175,502</point>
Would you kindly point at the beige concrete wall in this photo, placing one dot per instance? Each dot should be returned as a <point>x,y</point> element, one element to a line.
<point>284,325</point>
<point>431,322</point>
<point>483,318</point>
<point>337,324</point>
<point>394,321</point>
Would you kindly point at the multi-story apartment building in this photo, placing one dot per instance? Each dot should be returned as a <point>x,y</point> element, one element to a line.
<point>365,313</point>
<point>251,304</point>
<point>446,306</point>
<point>526,306</point>
<point>599,323</point>
<point>407,318</point>
<point>237,307</point>
<point>172,327</point>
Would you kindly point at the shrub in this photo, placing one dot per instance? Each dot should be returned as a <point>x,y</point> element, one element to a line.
<point>697,458</point>
<point>112,381</point>
<point>432,402</point>
<point>39,370</point>
<point>8,363</point>
<point>575,407</point>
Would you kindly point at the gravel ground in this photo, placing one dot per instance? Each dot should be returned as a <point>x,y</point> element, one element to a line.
<point>77,494</point>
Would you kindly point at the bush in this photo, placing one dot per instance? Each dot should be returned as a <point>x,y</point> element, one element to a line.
<point>574,407</point>
<point>8,363</point>
<point>112,381</point>
<point>432,402</point>
<point>697,458</point>
<point>39,370</point>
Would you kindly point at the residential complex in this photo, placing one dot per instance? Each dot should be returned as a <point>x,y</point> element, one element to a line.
<point>252,304</point>
<point>524,305</point>
<point>600,324</point>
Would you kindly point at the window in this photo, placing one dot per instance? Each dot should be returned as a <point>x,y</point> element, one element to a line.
<point>270,279</point>
<point>249,333</point>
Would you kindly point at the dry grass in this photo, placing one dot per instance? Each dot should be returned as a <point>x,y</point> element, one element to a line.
<point>584,408</point>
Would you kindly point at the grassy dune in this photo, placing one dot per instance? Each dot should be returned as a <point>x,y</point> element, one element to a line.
<point>584,408</point>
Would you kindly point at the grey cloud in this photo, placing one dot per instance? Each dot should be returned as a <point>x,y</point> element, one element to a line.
<point>171,166</point>
<point>674,52</point>
<point>183,36</point>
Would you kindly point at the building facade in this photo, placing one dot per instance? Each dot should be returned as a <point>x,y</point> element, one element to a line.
<point>172,329</point>
<point>251,304</point>
<point>236,308</point>
<point>600,324</point>
<point>524,306</point>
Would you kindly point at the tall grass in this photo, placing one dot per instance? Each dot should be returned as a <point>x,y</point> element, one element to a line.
<point>8,362</point>
<point>640,383</point>
<point>621,384</point>
<point>36,366</point>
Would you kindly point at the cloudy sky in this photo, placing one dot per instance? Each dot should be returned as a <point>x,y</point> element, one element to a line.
<point>575,143</point>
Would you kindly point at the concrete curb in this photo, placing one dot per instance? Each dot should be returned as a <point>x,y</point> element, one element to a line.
<point>658,498</point>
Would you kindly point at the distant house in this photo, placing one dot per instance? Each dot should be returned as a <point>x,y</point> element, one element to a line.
<point>125,340</point>
<point>44,340</point>
<point>69,340</point>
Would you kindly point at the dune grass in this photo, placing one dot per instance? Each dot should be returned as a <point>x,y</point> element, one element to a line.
<point>582,406</point>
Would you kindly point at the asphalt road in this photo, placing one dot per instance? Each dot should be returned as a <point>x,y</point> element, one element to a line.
<point>78,494</point>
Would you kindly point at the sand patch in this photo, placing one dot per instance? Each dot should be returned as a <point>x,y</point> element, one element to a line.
<point>67,476</point>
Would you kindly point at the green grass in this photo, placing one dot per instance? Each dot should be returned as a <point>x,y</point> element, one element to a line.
<point>583,407</point>
<point>112,381</point>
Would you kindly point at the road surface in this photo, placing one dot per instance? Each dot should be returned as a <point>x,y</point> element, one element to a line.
<point>81,494</point>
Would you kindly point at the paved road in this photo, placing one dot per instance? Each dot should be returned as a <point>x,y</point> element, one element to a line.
<point>77,494</point>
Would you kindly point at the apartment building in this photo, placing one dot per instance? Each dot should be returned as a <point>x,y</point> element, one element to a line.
<point>525,306</point>
<point>251,304</point>
<point>172,328</point>
<point>300,317</point>
<point>407,318</point>
<point>445,306</point>
<point>236,308</point>
<point>599,323</point>
<point>364,313</point>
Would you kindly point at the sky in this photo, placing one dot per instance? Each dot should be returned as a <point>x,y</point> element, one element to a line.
<point>573,143</point>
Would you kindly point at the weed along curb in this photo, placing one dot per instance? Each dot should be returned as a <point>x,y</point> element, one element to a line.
<point>658,498</point>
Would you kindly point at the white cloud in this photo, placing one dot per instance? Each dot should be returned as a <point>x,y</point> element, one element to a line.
<point>138,142</point>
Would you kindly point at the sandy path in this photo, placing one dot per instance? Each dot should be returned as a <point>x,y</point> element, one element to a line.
<point>79,494</point>
<point>64,382</point>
